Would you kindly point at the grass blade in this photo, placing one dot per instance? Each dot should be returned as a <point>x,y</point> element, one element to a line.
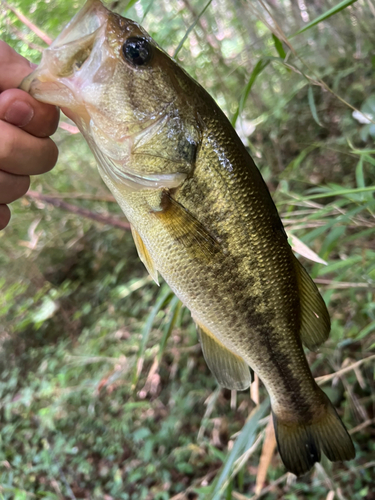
<point>302,249</point>
<point>129,5</point>
<point>191,27</point>
<point>359,174</point>
<point>243,442</point>
<point>365,331</point>
<point>331,12</point>
<point>148,8</point>
<point>342,192</point>
<point>310,95</point>
<point>175,308</point>
<point>164,295</point>
<point>258,68</point>
<point>279,46</point>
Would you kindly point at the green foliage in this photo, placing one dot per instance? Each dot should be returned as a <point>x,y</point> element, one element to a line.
<point>331,12</point>
<point>104,392</point>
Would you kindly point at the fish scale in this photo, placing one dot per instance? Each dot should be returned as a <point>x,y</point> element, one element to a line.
<point>201,216</point>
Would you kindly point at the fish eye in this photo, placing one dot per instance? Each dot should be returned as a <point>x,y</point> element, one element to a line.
<point>137,51</point>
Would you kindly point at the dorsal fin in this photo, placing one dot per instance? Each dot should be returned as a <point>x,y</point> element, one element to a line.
<point>230,370</point>
<point>315,322</point>
<point>144,255</point>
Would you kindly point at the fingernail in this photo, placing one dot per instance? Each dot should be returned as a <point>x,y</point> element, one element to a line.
<point>19,113</point>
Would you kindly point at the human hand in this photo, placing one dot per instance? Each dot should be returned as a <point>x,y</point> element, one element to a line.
<point>25,127</point>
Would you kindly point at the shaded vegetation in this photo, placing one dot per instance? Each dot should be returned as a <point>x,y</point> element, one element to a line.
<point>104,391</point>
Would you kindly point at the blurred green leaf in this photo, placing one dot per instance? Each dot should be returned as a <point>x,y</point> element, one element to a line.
<point>258,68</point>
<point>278,46</point>
<point>331,12</point>
<point>191,27</point>
<point>310,94</point>
<point>243,442</point>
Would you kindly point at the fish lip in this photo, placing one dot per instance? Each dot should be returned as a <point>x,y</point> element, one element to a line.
<point>86,24</point>
<point>47,82</point>
<point>93,10</point>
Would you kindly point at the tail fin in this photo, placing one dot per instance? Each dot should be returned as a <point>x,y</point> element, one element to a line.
<point>300,444</point>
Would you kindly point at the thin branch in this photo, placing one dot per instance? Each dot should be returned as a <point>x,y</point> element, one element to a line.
<point>72,129</point>
<point>21,36</point>
<point>341,284</point>
<point>362,426</point>
<point>43,36</point>
<point>191,27</point>
<point>325,378</point>
<point>265,490</point>
<point>83,212</point>
<point>85,196</point>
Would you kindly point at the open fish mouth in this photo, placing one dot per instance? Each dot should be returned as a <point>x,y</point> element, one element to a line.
<point>80,58</point>
<point>70,54</point>
<point>91,17</point>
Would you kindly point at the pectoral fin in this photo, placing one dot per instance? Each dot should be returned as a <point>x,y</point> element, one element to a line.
<point>144,255</point>
<point>186,229</point>
<point>315,322</point>
<point>229,369</point>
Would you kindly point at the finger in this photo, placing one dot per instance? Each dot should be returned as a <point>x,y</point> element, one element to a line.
<point>12,187</point>
<point>24,154</point>
<point>17,67</point>
<point>68,113</point>
<point>4,216</point>
<point>19,108</point>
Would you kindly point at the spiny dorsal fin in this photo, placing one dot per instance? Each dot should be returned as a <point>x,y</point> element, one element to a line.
<point>229,369</point>
<point>186,229</point>
<point>315,322</point>
<point>144,255</point>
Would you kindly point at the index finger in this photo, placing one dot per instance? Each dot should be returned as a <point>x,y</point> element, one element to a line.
<point>14,67</point>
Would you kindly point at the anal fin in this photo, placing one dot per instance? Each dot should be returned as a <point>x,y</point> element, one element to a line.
<point>315,322</point>
<point>229,369</point>
<point>144,255</point>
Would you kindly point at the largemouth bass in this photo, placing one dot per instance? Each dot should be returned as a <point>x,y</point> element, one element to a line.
<point>201,216</point>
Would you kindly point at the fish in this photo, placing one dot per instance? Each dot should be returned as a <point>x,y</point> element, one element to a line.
<point>202,218</point>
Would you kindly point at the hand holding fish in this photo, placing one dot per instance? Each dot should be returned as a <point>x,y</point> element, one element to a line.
<point>25,127</point>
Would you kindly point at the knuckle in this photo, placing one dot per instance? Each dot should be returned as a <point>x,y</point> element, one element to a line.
<point>54,154</point>
<point>48,155</point>
<point>12,187</point>
<point>22,185</point>
<point>4,216</point>
<point>50,120</point>
<point>7,144</point>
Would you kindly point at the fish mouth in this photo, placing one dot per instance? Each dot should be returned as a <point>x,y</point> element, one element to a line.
<point>79,60</point>
<point>51,81</point>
